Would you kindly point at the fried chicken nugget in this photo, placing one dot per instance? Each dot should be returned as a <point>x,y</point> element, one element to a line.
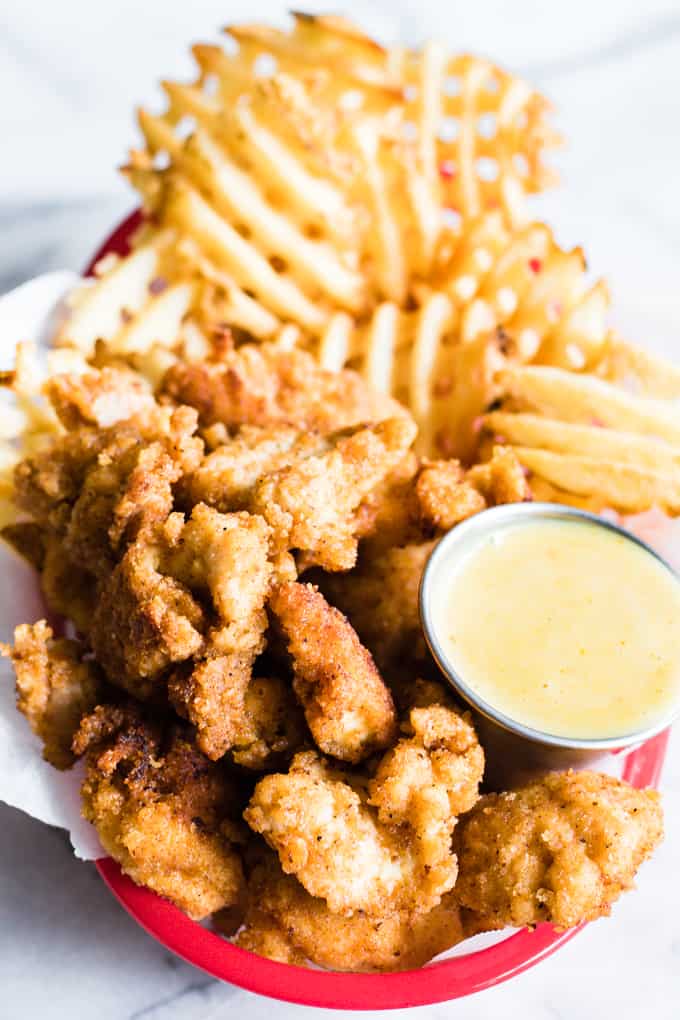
<point>379,846</point>
<point>144,621</point>
<point>101,397</point>
<point>55,686</point>
<point>260,384</point>
<point>380,598</point>
<point>430,777</point>
<point>227,555</point>
<point>161,809</point>
<point>98,489</point>
<point>285,923</point>
<point>561,849</point>
<point>348,708</point>
<point>228,474</point>
<point>312,505</point>
<point>447,494</point>
<point>326,835</point>
<point>273,724</point>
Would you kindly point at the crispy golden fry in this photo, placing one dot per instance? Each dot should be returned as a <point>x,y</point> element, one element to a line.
<point>623,487</point>
<point>161,809</point>
<point>347,706</point>
<point>264,385</point>
<point>312,505</point>
<point>55,687</point>
<point>589,441</point>
<point>587,400</point>
<point>638,371</point>
<point>285,923</point>
<point>380,598</point>
<point>561,849</point>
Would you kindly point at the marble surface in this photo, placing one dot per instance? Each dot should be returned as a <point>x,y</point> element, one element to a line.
<point>70,74</point>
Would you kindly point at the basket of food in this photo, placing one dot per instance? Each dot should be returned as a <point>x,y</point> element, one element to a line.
<point>308,395</point>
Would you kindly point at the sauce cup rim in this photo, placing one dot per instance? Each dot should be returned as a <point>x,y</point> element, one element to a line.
<point>500,517</point>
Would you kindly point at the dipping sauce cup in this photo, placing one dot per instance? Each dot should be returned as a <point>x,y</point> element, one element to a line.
<point>584,612</point>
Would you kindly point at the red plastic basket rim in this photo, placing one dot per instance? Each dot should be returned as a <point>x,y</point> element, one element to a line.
<point>438,982</point>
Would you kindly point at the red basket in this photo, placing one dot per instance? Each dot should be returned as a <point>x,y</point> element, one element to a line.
<point>437,982</point>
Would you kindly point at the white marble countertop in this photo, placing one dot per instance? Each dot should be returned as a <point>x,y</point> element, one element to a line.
<point>70,74</point>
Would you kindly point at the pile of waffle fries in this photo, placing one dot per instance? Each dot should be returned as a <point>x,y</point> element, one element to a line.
<point>372,205</point>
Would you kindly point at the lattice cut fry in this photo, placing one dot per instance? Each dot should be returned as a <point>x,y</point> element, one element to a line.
<point>327,161</point>
<point>589,442</point>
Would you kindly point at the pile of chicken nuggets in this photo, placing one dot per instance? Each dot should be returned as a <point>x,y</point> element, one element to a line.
<point>266,737</point>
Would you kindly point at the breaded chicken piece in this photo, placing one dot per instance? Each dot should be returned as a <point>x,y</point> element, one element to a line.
<point>228,474</point>
<point>448,495</point>
<point>327,833</point>
<point>144,621</point>
<point>161,809</point>
<point>312,505</point>
<point>284,922</point>
<point>55,687</point>
<point>98,489</point>
<point>274,726</point>
<point>227,557</point>
<point>380,598</point>
<point>390,514</point>
<point>260,384</point>
<point>561,849</point>
<point>265,937</point>
<point>100,398</point>
<point>431,776</point>
<point>348,708</point>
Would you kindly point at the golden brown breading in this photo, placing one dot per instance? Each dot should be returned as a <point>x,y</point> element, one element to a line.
<point>502,479</point>
<point>431,775</point>
<point>98,489</point>
<point>398,857</point>
<point>259,384</point>
<point>445,498</point>
<point>161,809</point>
<point>264,936</point>
<point>274,725</point>
<point>390,514</point>
<point>144,621</point>
<point>228,474</point>
<point>328,837</point>
<point>98,398</point>
<point>55,686</point>
<point>312,505</point>
<point>380,598</point>
<point>285,923</point>
<point>69,590</point>
<point>560,849</point>
<point>347,706</point>
<point>448,495</point>
<point>227,555</point>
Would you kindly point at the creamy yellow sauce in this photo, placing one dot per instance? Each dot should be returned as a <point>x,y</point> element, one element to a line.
<point>563,626</point>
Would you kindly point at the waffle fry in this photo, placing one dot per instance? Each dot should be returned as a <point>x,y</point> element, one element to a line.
<point>590,440</point>
<point>319,167</point>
